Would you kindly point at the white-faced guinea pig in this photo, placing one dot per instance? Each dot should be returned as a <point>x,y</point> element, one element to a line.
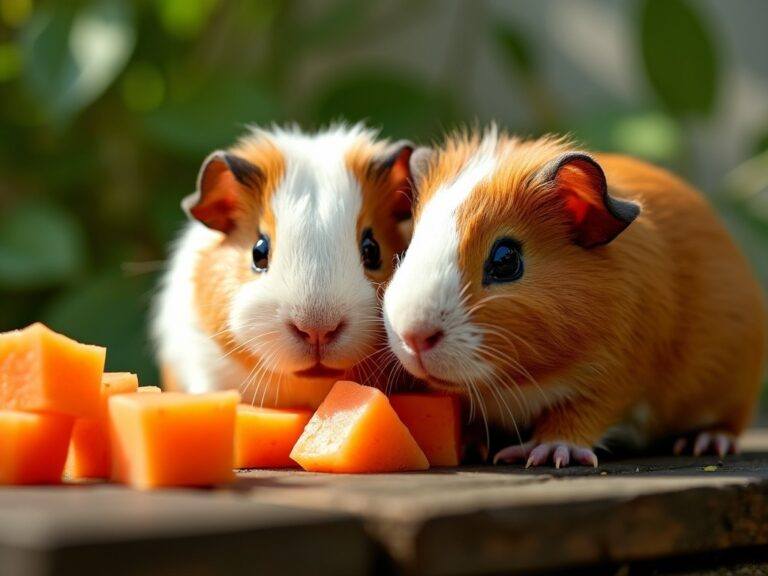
<point>272,287</point>
<point>576,296</point>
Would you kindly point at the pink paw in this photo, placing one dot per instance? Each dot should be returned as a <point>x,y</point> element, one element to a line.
<point>560,453</point>
<point>720,443</point>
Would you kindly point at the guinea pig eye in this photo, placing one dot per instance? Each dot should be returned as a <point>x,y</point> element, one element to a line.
<point>261,254</point>
<point>505,262</point>
<point>370,250</point>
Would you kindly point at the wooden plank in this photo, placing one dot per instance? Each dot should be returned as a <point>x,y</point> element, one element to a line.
<point>510,520</point>
<point>462,521</point>
<point>101,529</point>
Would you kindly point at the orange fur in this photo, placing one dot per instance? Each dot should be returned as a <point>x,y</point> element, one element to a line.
<point>224,266</point>
<point>379,204</point>
<point>667,316</point>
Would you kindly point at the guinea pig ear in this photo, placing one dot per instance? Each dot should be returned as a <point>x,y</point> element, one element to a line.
<point>420,163</point>
<point>393,166</point>
<point>221,184</point>
<point>596,216</point>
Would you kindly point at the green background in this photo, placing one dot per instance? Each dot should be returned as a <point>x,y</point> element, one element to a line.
<point>108,107</point>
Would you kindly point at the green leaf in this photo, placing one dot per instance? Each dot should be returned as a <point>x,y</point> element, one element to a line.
<point>679,56</point>
<point>651,135</point>
<point>71,57</point>
<point>110,310</point>
<point>212,117</point>
<point>402,106</point>
<point>40,246</point>
<point>516,49</point>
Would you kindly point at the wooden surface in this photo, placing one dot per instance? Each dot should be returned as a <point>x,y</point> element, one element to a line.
<point>466,521</point>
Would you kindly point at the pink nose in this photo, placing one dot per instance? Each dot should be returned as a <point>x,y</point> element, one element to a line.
<point>315,335</point>
<point>422,340</point>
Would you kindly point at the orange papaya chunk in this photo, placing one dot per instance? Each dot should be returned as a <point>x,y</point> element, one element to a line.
<point>435,422</point>
<point>355,430</point>
<point>89,451</point>
<point>172,439</point>
<point>42,371</point>
<point>33,447</point>
<point>264,437</point>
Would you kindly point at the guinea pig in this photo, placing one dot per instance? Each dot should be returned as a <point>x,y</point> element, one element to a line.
<point>272,286</point>
<point>574,295</point>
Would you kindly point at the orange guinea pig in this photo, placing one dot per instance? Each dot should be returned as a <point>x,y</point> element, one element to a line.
<point>272,286</point>
<point>575,294</point>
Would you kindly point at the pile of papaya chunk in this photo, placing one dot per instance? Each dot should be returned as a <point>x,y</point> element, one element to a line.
<point>62,418</point>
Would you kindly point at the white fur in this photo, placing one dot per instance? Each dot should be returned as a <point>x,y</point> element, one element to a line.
<point>426,290</point>
<point>314,274</point>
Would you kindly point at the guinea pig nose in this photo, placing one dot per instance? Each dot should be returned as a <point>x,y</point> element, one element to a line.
<point>422,340</point>
<point>314,334</point>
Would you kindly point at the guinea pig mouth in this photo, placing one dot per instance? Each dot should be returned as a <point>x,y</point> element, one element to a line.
<point>319,370</point>
<point>441,384</point>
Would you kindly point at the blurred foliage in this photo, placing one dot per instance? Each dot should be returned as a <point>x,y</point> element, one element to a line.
<point>679,56</point>
<point>108,106</point>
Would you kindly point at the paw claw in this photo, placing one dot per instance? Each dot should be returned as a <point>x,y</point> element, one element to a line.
<point>719,443</point>
<point>561,454</point>
<point>722,445</point>
<point>539,455</point>
<point>585,456</point>
<point>513,453</point>
<point>702,443</point>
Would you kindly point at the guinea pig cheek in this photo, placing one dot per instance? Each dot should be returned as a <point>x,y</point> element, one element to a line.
<point>256,326</point>
<point>434,305</point>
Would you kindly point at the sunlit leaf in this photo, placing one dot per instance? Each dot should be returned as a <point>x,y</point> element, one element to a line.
<point>211,118</point>
<point>185,18</point>
<point>72,56</point>
<point>649,135</point>
<point>110,310</point>
<point>401,106</point>
<point>40,246</point>
<point>679,55</point>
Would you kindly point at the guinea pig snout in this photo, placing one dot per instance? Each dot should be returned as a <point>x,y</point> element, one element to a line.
<point>421,339</point>
<point>317,331</point>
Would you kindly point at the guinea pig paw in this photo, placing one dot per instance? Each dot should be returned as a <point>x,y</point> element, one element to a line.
<point>513,453</point>
<point>561,454</point>
<point>719,443</point>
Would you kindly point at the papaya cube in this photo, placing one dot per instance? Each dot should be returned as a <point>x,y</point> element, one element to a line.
<point>173,439</point>
<point>435,422</point>
<point>42,371</point>
<point>33,447</point>
<point>149,390</point>
<point>355,430</point>
<point>89,451</point>
<point>264,437</point>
